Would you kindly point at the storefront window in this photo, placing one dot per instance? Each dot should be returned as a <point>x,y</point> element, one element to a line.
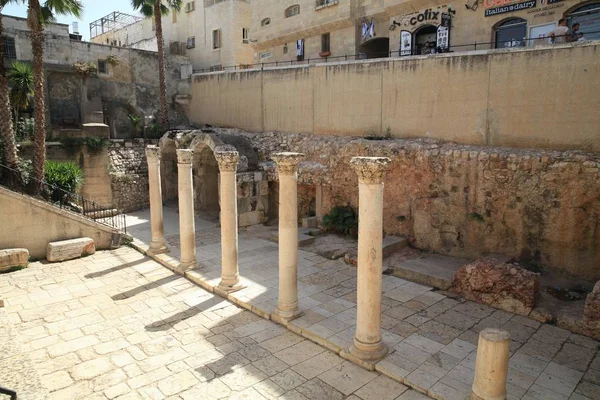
<point>511,33</point>
<point>426,40</point>
<point>588,17</point>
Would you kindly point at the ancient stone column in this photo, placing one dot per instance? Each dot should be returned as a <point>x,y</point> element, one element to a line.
<point>230,276</point>
<point>368,345</point>
<point>187,226</point>
<point>287,167</point>
<point>491,365</point>
<point>157,245</point>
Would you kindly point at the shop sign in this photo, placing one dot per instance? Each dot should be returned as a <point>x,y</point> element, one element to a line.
<point>427,15</point>
<point>507,7</point>
<point>443,37</point>
<point>405,43</point>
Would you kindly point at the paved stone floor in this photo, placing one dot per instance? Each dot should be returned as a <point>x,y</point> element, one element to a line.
<point>117,325</point>
<point>432,337</point>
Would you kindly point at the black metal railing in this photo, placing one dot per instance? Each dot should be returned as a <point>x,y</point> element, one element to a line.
<point>22,183</point>
<point>502,44</point>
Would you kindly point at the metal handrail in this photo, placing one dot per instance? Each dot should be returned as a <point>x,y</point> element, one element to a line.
<point>16,181</point>
<point>354,57</point>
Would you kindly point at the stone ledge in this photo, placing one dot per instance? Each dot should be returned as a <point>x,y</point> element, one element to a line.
<point>10,258</point>
<point>70,249</point>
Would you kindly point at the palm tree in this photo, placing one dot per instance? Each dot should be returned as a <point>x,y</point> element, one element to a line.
<point>156,9</point>
<point>21,86</point>
<point>6,126</point>
<point>37,16</point>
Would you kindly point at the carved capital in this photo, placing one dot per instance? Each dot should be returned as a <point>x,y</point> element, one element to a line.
<point>227,160</point>
<point>185,156</point>
<point>152,153</point>
<point>287,163</point>
<point>370,169</point>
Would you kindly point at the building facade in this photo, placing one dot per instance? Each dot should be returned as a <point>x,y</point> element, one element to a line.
<point>297,30</point>
<point>212,33</point>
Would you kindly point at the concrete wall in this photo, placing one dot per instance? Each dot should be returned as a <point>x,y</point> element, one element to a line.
<point>32,224</point>
<point>510,98</point>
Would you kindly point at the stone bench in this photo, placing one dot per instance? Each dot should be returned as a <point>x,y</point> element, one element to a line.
<point>10,258</point>
<point>70,249</point>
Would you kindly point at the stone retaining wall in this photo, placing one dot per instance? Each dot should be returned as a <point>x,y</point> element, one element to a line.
<point>129,174</point>
<point>539,206</point>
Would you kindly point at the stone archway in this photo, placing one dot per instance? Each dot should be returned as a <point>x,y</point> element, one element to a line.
<point>375,48</point>
<point>205,172</point>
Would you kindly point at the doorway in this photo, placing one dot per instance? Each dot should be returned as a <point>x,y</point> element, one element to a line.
<point>375,48</point>
<point>425,39</point>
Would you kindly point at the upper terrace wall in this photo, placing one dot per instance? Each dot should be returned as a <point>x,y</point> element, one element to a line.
<point>541,98</point>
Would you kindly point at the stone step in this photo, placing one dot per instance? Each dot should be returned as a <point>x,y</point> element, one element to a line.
<point>11,258</point>
<point>431,270</point>
<point>392,244</point>
<point>310,222</point>
<point>102,213</point>
<point>70,249</point>
<point>303,238</point>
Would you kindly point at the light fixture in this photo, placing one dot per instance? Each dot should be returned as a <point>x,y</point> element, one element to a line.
<point>394,24</point>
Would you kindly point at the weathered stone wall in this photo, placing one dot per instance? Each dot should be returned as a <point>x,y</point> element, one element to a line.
<point>523,98</point>
<point>129,86</point>
<point>129,174</point>
<point>539,206</point>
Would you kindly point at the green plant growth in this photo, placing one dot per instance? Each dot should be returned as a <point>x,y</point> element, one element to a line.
<point>94,144</point>
<point>154,131</point>
<point>85,68</point>
<point>136,121</point>
<point>65,178</point>
<point>342,220</point>
<point>475,217</point>
<point>24,129</point>
<point>113,60</point>
<point>20,78</point>
<point>388,133</point>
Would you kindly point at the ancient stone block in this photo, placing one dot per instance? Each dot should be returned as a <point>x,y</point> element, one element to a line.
<point>591,313</point>
<point>251,218</point>
<point>13,258</point>
<point>500,285</point>
<point>69,249</point>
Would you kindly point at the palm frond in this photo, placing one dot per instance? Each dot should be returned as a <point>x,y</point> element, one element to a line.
<point>175,4</point>
<point>65,7</point>
<point>21,81</point>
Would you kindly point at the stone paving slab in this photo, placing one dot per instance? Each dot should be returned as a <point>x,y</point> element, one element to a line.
<point>118,325</point>
<point>432,337</point>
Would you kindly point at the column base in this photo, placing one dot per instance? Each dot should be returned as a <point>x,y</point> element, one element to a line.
<point>186,266</point>
<point>227,288</point>
<point>368,352</point>
<point>157,249</point>
<point>283,317</point>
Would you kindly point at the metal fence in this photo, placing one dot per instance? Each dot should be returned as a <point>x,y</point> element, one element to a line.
<point>398,53</point>
<point>22,183</point>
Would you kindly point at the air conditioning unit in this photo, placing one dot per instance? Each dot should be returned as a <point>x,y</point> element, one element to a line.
<point>190,6</point>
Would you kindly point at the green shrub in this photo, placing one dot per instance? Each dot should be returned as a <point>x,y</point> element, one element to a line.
<point>24,129</point>
<point>341,220</point>
<point>94,144</point>
<point>154,131</point>
<point>65,177</point>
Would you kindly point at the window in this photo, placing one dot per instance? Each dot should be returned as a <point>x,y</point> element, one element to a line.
<point>216,38</point>
<point>291,11</point>
<point>264,56</point>
<point>102,67</point>
<point>265,22</point>
<point>191,42</point>
<point>285,48</point>
<point>190,6</point>
<point>245,35</point>
<point>511,33</point>
<point>587,16</point>
<point>326,3</point>
<point>325,40</point>
<point>174,16</point>
<point>10,50</point>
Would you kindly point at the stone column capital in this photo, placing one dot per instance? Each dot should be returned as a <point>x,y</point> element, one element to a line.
<point>152,153</point>
<point>185,156</point>
<point>227,160</point>
<point>287,163</point>
<point>370,169</point>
